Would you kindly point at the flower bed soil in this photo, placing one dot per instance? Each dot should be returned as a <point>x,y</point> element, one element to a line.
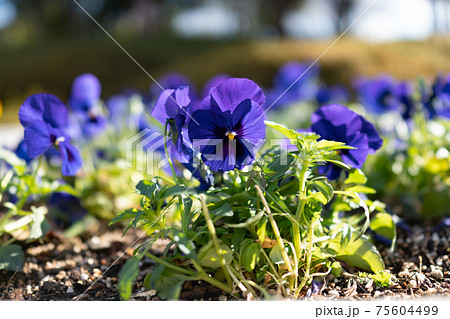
<point>73,269</point>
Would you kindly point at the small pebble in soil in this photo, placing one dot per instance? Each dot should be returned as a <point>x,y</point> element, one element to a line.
<point>70,290</point>
<point>222,298</point>
<point>436,273</point>
<point>334,293</point>
<point>84,277</point>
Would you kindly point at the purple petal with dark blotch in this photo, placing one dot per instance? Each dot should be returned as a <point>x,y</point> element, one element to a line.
<point>71,160</point>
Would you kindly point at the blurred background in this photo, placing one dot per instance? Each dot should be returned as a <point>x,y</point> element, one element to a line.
<point>45,44</point>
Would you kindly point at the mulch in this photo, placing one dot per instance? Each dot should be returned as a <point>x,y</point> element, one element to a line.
<point>87,267</point>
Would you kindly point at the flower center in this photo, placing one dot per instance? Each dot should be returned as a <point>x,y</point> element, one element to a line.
<point>230,135</point>
<point>60,140</point>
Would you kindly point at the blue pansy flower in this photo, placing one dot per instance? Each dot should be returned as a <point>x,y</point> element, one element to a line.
<point>85,120</point>
<point>229,124</point>
<point>44,118</point>
<point>172,107</point>
<point>171,80</point>
<point>300,82</point>
<point>85,94</point>
<point>437,101</point>
<point>384,94</point>
<point>332,94</point>
<point>337,123</point>
<point>65,208</point>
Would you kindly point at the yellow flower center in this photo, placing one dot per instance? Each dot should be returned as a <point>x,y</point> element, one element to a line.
<point>230,135</point>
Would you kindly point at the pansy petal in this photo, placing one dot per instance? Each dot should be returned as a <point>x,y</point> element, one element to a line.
<point>86,91</point>
<point>374,139</point>
<point>230,93</point>
<point>37,138</point>
<point>213,82</point>
<point>252,128</point>
<point>46,107</point>
<point>71,160</point>
<point>356,157</point>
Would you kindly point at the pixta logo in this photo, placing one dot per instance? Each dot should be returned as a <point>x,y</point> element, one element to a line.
<point>144,152</point>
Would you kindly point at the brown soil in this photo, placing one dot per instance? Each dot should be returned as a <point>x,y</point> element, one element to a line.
<point>86,268</point>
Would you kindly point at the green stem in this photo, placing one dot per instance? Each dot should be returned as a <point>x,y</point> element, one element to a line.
<point>196,276</point>
<point>280,243</point>
<point>212,231</point>
<point>300,207</point>
<point>308,260</point>
<point>23,200</point>
<point>166,151</point>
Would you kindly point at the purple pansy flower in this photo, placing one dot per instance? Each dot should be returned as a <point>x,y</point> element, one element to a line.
<point>65,208</point>
<point>171,80</point>
<point>384,94</point>
<point>86,91</point>
<point>44,118</point>
<point>85,120</point>
<point>301,84</point>
<point>437,102</point>
<point>228,125</point>
<point>172,107</point>
<point>338,123</point>
<point>332,94</point>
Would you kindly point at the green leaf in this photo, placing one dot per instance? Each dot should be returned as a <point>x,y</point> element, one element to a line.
<point>238,238</point>
<point>169,286</point>
<point>152,278</point>
<point>223,211</point>
<point>362,189</point>
<point>127,214</point>
<point>127,276</point>
<point>346,235</point>
<point>360,253</point>
<point>146,188</point>
<point>250,221</point>
<point>210,258</point>
<point>11,158</point>
<point>362,204</point>
<point>325,188</point>
<point>184,244</point>
<point>290,134</point>
<point>178,190</point>
<point>356,176</point>
<point>383,225</point>
<point>325,145</point>
<point>276,255</point>
<point>40,224</point>
<point>250,256</point>
<point>381,278</point>
<point>339,163</point>
<point>261,228</point>
<point>11,258</point>
<point>187,216</point>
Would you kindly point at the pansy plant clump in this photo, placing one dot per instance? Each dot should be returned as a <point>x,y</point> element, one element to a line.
<point>269,214</point>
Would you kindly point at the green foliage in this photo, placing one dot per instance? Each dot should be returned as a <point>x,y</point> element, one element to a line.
<point>278,220</point>
<point>11,258</point>
<point>127,276</point>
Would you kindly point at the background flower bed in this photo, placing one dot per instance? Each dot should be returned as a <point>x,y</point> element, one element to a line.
<point>31,69</point>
